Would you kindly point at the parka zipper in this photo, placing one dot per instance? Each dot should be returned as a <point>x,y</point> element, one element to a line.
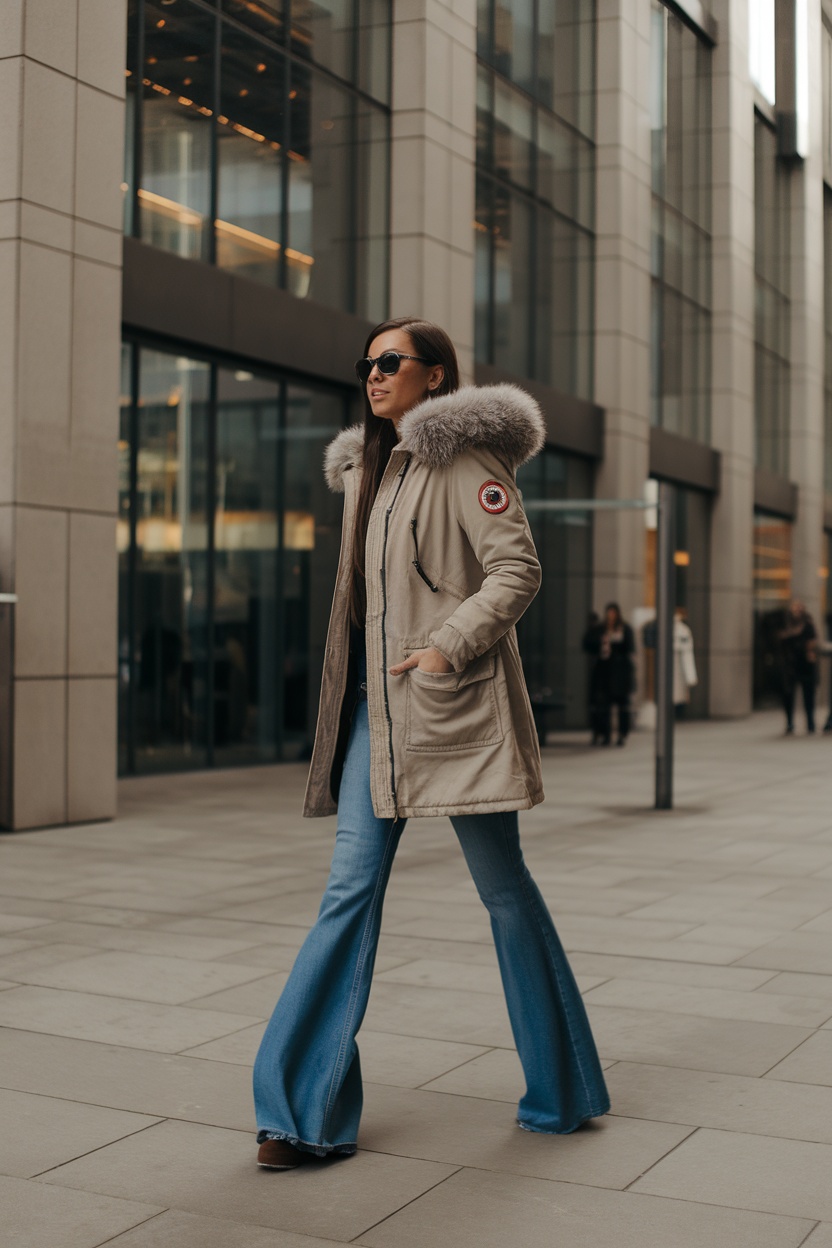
<point>417,565</point>
<point>402,475</point>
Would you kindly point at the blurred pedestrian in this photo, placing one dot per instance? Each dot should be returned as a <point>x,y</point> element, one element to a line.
<point>799,657</point>
<point>684,662</point>
<point>424,712</point>
<point>613,644</point>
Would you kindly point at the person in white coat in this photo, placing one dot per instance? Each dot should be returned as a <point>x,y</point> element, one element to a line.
<point>684,661</point>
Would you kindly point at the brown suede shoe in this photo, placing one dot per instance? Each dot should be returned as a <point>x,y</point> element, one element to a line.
<point>280,1155</point>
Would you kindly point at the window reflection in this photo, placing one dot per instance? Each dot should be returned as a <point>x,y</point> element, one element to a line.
<point>772,307</point>
<point>680,111</point>
<point>552,629</point>
<point>223,609</point>
<point>177,106</point>
<point>250,153</point>
<point>512,273</point>
<point>170,613</point>
<point>299,195</point>
<point>246,543</point>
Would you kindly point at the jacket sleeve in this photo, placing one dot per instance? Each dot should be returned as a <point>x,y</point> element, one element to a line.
<point>502,544</point>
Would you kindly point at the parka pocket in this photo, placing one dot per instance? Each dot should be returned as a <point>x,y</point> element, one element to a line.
<point>453,710</point>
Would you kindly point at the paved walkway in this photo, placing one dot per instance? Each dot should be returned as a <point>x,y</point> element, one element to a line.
<point>139,959</point>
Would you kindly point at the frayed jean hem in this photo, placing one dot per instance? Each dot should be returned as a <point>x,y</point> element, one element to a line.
<point>597,1113</point>
<point>319,1150</point>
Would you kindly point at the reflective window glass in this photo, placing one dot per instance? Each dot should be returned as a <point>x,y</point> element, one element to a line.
<point>680,248</point>
<point>564,305</point>
<point>566,61</point>
<point>123,546</point>
<point>263,16</point>
<point>514,41</point>
<point>772,305</point>
<point>311,519</point>
<point>552,629</point>
<point>372,211</point>
<point>169,634</point>
<point>482,270</point>
<point>321,162</point>
<point>246,541</point>
<point>250,152</point>
<point>512,135</point>
<point>512,273</point>
<point>374,33</point>
<point>323,31</point>
<point>827,316</point>
<point>177,107</point>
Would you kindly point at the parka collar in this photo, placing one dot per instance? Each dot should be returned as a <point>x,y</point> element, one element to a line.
<point>503,419</point>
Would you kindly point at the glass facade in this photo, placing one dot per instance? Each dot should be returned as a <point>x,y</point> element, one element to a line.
<point>552,629</point>
<point>772,311</point>
<point>228,543</point>
<point>680,354</point>
<point>534,197</point>
<point>258,140</point>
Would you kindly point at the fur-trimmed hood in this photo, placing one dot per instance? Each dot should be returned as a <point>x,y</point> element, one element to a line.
<point>503,418</point>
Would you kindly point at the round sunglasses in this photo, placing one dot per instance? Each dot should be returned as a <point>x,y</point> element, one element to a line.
<point>388,363</point>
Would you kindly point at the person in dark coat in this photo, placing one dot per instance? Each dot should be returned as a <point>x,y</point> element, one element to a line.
<point>799,651</point>
<point>613,644</point>
<point>590,646</point>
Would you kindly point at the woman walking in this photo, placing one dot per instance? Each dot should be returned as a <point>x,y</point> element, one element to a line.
<point>613,644</point>
<point>424,711</point>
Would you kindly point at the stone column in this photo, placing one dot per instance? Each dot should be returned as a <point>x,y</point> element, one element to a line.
<point>62,92</point>
<point>732,406</point>
<point>433,166</point>
<point>622,295</point>
<point>806,441</point>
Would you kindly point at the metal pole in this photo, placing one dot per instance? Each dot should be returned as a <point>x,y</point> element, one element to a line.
<point>665,607</point>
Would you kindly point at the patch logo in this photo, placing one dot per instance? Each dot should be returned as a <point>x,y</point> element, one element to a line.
<point>493,497</point>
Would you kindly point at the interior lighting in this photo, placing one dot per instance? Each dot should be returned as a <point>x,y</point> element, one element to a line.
<point>170,208</point>
<point>681,558</point>
<point>244,91</point>
<point>161,22</point>
<point>184,100</point>
<point>261,67</point>
<point>186,82</point>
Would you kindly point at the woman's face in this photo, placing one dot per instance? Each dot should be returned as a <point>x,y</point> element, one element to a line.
<point>391,397</point>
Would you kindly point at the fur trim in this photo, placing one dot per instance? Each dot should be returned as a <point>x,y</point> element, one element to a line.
<point>342,454</point>
<point>503,418</point>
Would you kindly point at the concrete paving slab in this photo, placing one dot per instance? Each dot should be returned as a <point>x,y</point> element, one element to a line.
<point>725,1102</point>
<point>746,1172</point>
<point>33,1215</point>
<point>144,940</point>
<point>440,1014</point>
<point>610,966</point>
<point>113,1020</point>
<point>165,1086</point>
<point>490,1210</point>
<point>258,997</point>
<point>143,976</point>
<point>42,1132</point>
<point>810,1062</point>
<point>172,1229</point>
<point>795,951</point>
<point>802,985</point>
<point>609,1152</point>
<point>211,1171</point>
<point>652,1036</point>
<point>712,1002</point>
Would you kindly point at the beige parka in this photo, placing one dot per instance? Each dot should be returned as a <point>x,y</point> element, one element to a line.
<point>450,563</point>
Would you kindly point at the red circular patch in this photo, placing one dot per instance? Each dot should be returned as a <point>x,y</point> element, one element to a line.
<point>493,497</point>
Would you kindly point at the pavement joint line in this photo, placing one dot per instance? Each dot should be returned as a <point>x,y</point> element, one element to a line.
<point>90,1151</point>
<point>422,1087</point>
<point>102,1243</point>
<point>412,1200</point>
<point>808,1237</point>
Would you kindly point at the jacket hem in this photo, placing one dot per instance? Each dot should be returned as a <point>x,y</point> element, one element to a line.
<point>471,808</point>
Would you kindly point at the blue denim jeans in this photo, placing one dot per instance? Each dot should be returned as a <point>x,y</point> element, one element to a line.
<point>307,1075</point>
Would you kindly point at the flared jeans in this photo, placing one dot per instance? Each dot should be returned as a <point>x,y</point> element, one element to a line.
<point>307,1075</point>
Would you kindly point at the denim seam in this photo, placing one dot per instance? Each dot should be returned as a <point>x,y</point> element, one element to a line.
<point>569,1022</point>
<point>362,955</point>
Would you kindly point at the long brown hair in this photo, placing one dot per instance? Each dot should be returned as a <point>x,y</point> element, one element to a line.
<point>432,343</point>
